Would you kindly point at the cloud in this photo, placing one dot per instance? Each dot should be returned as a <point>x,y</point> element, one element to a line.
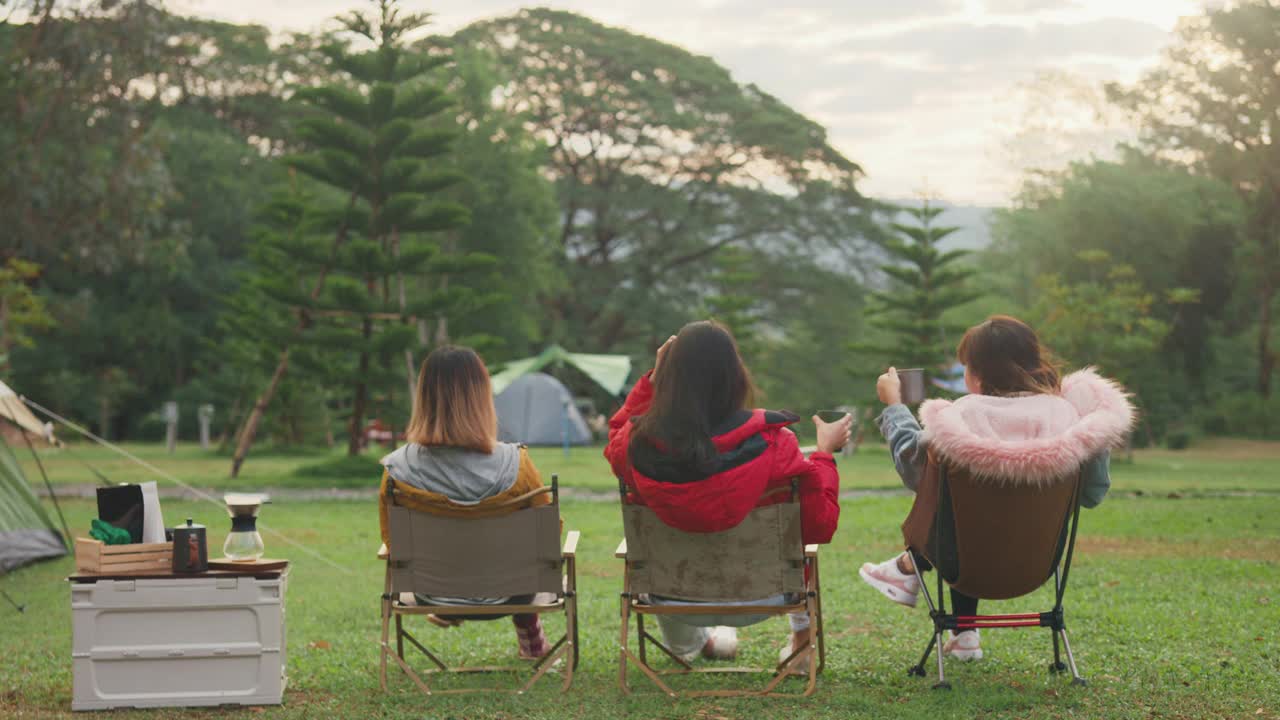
<point>954,45</point>
<point>910,89</point>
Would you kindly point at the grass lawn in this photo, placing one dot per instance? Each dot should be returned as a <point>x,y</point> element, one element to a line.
<point>1215,466</point>
<point>1173,607</point>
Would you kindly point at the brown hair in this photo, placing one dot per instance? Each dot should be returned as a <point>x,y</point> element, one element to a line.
<point>454,402</point>
<point>1008,358</point>
<point>701,383</point>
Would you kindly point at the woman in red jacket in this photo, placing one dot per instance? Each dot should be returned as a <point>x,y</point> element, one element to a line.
<point>688,446</point>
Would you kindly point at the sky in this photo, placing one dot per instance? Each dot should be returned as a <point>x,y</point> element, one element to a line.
<point>926,95</point>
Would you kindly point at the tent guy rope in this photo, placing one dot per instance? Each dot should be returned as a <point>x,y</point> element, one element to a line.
<point>167,476</point>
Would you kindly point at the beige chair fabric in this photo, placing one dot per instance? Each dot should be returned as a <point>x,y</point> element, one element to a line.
<point>514,554</point>
<point>761,557</point>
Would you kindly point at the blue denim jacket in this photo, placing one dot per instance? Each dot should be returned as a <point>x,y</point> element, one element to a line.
<point>910,451</point>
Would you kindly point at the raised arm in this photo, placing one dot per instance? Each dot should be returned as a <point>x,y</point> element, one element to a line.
<point>904,435</point>
<point>619,425</point>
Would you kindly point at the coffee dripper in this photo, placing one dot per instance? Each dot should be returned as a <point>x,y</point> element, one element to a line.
<point>243,544</point>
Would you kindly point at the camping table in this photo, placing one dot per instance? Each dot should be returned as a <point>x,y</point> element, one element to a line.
<point>173,640</point>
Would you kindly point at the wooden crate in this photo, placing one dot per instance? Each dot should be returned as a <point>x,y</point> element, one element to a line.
<point>134,559</point>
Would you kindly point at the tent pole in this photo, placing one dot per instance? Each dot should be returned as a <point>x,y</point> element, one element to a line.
<point>66,531</point>
<point>20,608</point>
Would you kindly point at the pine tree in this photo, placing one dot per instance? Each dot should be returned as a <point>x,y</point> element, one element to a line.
<point>380,140</point>
<point>924,283</point>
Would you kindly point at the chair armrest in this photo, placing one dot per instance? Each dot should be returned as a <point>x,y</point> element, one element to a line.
<point>810,551</point>
<point>571,544</point>
<point>621,552</point>
<point>383,552</point>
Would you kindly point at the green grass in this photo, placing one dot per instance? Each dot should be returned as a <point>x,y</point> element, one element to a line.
<point>1172,606</point>
<point>1213,467</point>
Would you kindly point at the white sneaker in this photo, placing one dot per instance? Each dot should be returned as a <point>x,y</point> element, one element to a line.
<point>896,585</point>
<point>722,644</point>
<point>963,646</point>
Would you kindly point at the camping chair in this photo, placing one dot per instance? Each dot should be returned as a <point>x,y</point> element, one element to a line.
<point>993,541</point>
<point>513,554</point>
<point>761,557</point>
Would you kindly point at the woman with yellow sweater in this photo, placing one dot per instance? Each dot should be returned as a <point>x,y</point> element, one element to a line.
<point>454,465</point>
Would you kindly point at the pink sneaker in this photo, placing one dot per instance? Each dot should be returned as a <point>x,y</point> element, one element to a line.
<point>888,579</point>
<point>963,646</point>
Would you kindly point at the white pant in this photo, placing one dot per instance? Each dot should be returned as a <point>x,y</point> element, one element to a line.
<point>687,634</point>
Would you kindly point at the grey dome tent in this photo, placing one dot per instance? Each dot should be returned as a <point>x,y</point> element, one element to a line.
<point>27,534</point>
<point>537,409</point>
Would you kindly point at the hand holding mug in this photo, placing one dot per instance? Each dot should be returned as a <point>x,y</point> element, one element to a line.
<point>889,387</point>
<point>833,435</point>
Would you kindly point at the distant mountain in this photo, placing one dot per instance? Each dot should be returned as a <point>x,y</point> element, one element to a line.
<point>974,223</point>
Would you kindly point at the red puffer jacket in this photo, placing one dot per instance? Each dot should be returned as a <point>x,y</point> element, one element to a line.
<point>757,453</point>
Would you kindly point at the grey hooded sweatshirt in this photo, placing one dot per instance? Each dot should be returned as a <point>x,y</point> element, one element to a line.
<point>464,476</point>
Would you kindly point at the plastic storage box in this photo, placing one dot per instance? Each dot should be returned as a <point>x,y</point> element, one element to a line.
<point>208,639</point>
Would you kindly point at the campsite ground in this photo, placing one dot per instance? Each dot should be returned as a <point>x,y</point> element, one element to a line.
<point>1173,603</point>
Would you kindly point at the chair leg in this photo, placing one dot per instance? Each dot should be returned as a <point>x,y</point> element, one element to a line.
<point>622,647</point>
<point>1071,661</point>
<point>382,650</point>
<point>399,638</point>
<point>640,640</point>
<point>817,602</point>
<point>918,669</point>
<point>942,683</point>
<point>1057,666</point>
<point>571,630</point>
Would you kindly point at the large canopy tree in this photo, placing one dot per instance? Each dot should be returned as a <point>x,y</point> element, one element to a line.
<point>661,159</point>
<point>1214,103</point>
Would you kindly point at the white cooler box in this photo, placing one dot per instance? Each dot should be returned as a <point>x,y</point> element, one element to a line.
<point>203,640</point>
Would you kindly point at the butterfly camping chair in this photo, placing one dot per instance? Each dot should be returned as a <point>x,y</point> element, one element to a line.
<point>514,554</point>
<point>993,541</point>
<point>761,557</point>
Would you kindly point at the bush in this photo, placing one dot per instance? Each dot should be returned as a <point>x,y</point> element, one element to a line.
<point>1179,439</point>
<point>1244,415</point>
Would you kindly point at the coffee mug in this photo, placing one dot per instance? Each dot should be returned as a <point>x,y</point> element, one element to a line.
<point>830,416</point>
<point>912,380</point>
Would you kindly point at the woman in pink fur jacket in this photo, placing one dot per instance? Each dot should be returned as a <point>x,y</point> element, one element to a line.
<point>1021,422</point>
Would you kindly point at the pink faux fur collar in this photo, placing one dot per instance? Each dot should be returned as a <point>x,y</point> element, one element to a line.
<point>1030,439</point>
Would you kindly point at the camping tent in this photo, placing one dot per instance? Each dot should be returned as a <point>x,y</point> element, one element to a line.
<point>17,421</point>
<point>608,371</point>
<point>537,409</point>
<point>26,532</point>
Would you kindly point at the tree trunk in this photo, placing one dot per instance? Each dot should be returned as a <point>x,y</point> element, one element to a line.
<point>1266,358</point>
<point>104,416</point>
<point>355,426</point>
<point>409,374</point>
<point>245,440</point>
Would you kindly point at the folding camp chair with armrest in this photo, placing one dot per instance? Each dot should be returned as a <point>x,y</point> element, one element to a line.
<point>993,541</point>
<point>508,555</point>
<point>726,573</point>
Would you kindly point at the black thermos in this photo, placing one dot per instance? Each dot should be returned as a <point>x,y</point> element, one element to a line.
<point>190,549</point>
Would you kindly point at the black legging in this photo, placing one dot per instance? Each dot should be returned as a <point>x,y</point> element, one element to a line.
<point>961,604</point>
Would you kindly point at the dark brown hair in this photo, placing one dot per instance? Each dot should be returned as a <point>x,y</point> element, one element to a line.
<point>1008,358</point>
<point>454,402</point>
<point>701,382</point>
